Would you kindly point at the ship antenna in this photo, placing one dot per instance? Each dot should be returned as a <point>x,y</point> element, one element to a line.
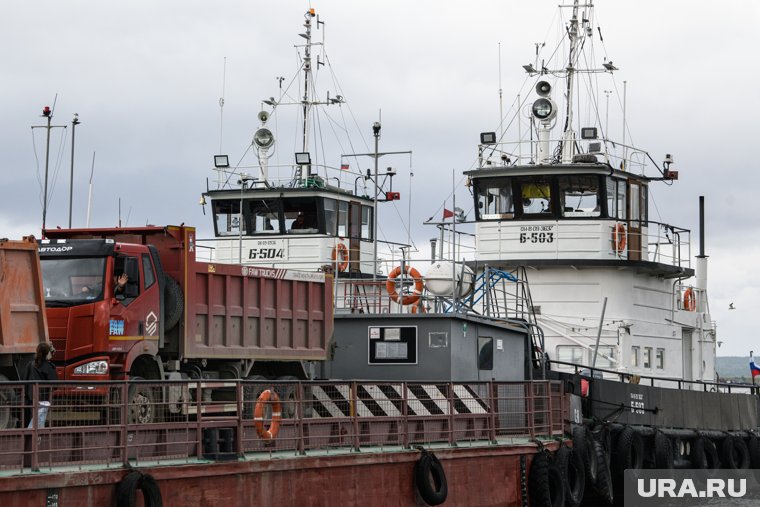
<point>221,115</point>
<point>501,102</point>
<point>568,134</point>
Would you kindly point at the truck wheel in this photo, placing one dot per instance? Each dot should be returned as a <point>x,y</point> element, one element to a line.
<point>251,393</point>
<point>287,393</point>
<point>6,402</point>
<point>142,408</point>
<point>174,304</point>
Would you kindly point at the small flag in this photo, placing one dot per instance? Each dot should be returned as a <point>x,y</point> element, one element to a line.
<point>753,367</point>
<point>447,214</point>
<point>344,167</point>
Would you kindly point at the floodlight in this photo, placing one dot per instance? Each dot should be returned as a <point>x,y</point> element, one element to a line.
<point>221,161</point>
<point>488,138</point>
<point>303,158</point>
<point>589,133</point>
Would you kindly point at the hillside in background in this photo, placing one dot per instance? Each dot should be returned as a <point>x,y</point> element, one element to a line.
<point>733,367</point>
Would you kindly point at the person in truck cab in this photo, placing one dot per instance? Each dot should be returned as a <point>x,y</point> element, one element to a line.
<point>119,282</point>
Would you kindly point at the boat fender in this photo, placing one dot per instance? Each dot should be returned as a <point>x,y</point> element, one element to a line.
<point>126,490</point>
<point>603,485</point>
<point>629,452</point>
<point>663,451</point>
<point>734,454</point>
<point>430,479</point>
<point>390,285</point>
<point>689,300</point>
<point>704,455</point>
<point>583,443</point>
<point>618,238</point>
<point>571,466</point>
<point>545,484</point>
<point>754,451</point>
<point>267,397</point>
<point>340,250</point>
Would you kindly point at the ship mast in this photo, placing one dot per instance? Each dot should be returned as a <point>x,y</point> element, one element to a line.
<point>568,139</point>
<point>306,90</point>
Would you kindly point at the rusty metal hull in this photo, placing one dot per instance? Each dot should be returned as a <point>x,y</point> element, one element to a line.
<point>479,476</point>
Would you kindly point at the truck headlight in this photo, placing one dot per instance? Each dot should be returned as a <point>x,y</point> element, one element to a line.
<point>92,368</point>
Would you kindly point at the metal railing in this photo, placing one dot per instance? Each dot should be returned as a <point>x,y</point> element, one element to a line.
<point>118,423</point>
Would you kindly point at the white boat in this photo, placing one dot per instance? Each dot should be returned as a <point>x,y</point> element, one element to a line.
<point>611,287</point>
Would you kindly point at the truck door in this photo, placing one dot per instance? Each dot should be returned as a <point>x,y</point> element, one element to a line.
<point>135,313</point>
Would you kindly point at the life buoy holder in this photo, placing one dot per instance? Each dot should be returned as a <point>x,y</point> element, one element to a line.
<point>266,397</point>
<point>409,299</point>
<point>618,238</point>
<point>689,300</point>
<point>340,250</point>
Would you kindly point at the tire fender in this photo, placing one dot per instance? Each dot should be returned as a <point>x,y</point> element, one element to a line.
<point>430,479</point>
<point>126,490</point>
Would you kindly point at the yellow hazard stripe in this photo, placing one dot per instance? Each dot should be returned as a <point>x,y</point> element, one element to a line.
<point>132,338</point>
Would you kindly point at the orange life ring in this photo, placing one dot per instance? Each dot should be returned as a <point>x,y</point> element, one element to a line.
<point>266,397</point>
<point>409,299</point>
<point>689,300</point>
<point>340,250</point>
<point>618,237</point>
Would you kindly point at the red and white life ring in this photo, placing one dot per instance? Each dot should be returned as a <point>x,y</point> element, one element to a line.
<point>618,238</point>
<point>340,251</point>
<point>408,299</point>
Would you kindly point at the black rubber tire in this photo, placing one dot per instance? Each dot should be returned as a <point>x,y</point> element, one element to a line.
<point>583,443</point>
<point>734,454</point>
<point>663,451</point>
<point>142,407</point>
<point>704,455</point>
<point>545,484</point>
<point>629,452</point>
<point>754,451</point>
<point>571,466</point>
<point>174,303</point>
<point>126,490</point>
<point>603,486</point>
<point>430,479</point>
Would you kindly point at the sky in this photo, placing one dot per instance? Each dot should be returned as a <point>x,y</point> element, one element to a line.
<point>146,77</point>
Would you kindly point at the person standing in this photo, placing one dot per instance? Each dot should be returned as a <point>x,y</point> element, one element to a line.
<point>40,369</point>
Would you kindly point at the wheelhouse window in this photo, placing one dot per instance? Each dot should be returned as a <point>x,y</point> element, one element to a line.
<point>342,219</point>
<point>69,282</point>
<point>535,195</point>
<point>366,223</point>
<point>579,195</point>
<point>300,214</point>
<point>227,218</point>
<point>263,216</point>
<point>331,216</point>
<point>495,200</point>
<point>616,194</point>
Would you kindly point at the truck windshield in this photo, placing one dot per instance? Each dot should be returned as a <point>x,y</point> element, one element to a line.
<point>73,281</point>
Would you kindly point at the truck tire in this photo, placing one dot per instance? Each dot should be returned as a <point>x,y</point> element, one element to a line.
<point>251,393</point>
<point>287,393</point>
<point>545,485</point>
<point>603,485</point>
<point>663,451</point>
<point>174,303</point>
<point>572,468</point>
<point>754,451</point>
<point>126,490</point>
<point>430,479</point>
<point>583,443</point>
<point>142,408</point>
<point>734,453</point>
<point>704,455</point>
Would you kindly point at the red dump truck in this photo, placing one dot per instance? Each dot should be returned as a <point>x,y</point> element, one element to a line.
<point>176,318</point>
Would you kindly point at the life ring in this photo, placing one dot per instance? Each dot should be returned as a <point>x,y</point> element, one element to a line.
<point>126,490</point>
<point>689,300</point>
<point>434,491</point>
<point>390,285</point>
<point>340,250</point>
<point>618,237</point>
<point>266,397</point>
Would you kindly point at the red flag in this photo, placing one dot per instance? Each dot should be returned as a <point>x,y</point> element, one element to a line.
<point>344,167</point>
<point>447,214</point>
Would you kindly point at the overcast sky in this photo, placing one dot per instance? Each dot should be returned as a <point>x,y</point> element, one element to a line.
<point>146,78</point>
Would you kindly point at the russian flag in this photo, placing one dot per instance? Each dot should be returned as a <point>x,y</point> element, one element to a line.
<point>753,367</point>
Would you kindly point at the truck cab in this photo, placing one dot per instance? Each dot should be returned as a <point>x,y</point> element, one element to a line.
<point>98,329</point>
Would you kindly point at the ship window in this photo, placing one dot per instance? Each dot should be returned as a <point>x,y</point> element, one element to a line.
<point>580,196</point>
<point>367,222</point>
<point>635,356</point>
<point>635,202</point>
<point>485,353</point>
<point>300,215</point>
<point>647,357</point>
<point>570,354</point>
<point>660,359</point>
<point>616,207</point>
<point>342,219</point>
<point>331,216</point>
<point>227,218</point>
<point>495,201</point>
<point>535,195</point>
<point>264,216</point>
<point>606,357</point>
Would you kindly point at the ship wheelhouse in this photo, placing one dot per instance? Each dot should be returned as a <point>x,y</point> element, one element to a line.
<point>298,228</point>
<point>580,213</point>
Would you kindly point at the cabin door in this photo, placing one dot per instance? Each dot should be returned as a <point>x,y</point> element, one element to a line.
<point>687,365</point>
<point>635,221</point>
<point>354,235</point>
